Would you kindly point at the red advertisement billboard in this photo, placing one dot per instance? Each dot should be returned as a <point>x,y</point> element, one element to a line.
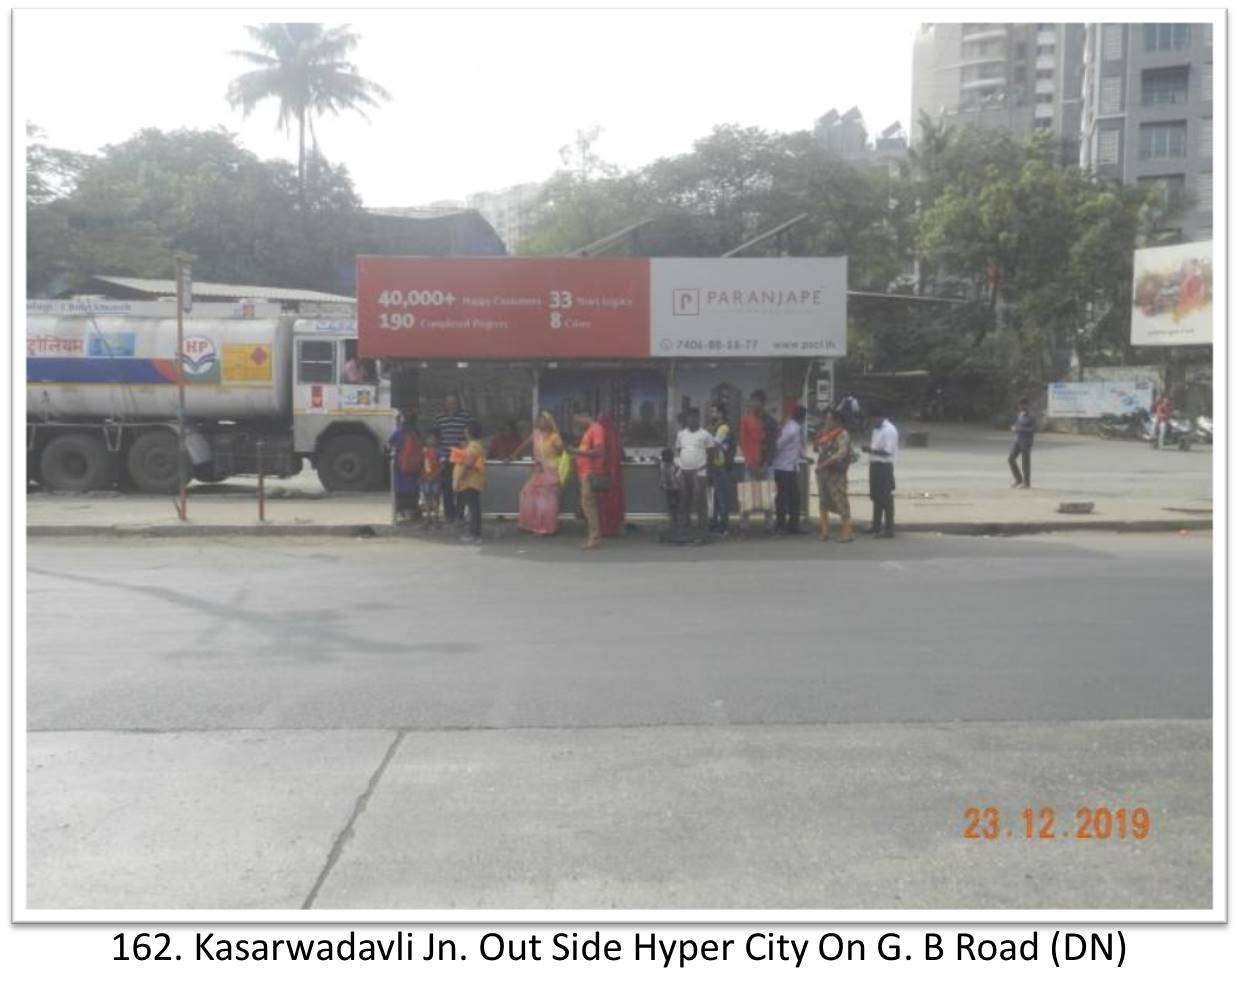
<point>502,308</point>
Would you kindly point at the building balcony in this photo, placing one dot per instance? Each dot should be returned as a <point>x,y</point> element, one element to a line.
<point>984,34</point>
<point>988,82</point>
<point>1046,61</point>
<point>1046,37</point>
<point>1045,86</point>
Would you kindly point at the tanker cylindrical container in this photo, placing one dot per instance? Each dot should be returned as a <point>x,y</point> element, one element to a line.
<point>125,369</point>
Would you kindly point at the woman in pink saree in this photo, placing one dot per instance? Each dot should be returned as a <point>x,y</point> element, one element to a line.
<point>539,498</point>
<point>611,504</point>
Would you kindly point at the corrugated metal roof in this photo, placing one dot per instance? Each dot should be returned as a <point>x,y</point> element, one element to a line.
<point>200,287</point>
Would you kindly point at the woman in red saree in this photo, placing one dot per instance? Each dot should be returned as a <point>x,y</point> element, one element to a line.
<point>611,507</point>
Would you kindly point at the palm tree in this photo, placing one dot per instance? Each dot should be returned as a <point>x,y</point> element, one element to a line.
<point>304,67</point>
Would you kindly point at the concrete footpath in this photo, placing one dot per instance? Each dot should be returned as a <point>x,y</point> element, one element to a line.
<point>958,484</point>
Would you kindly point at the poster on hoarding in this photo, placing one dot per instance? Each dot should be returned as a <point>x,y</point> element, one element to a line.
<point>1172,303</point>
<point>1092,399</point>
<point>502,308</point>
<point>592,308</point>
<point>748,307</point>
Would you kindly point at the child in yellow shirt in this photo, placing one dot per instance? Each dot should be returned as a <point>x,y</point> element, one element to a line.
<point>468,479</point>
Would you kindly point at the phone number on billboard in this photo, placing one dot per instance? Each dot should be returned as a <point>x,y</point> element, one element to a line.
<point>711,345</point>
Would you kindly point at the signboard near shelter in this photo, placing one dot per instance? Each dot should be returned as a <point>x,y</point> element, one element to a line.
<point>502,308</point>
<point>1172,303</point>
<point>749,307</point>
<point>594,308</point>
<point>1092,399</point>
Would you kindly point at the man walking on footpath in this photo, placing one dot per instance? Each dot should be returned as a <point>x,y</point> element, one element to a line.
<point>787,456</point>
<point>1163,410</point>
<point>451,427</point>
<point>1024,430</point>
<point>882,450</point>
<point>692,450</point>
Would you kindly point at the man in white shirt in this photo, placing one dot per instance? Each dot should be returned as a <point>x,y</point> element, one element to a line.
<point>692,448</point>
<point>882,450</point>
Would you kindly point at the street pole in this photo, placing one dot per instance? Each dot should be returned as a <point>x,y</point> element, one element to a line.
<point>182,455</point>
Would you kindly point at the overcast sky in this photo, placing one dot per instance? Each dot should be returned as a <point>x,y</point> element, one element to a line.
<point>480,99</point>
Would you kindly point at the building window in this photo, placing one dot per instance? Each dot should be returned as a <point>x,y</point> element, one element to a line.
<point>1205,192</point>
<point>1205,138</point>
<point>1111,95</point>
<point>1111,42</point>
<point>1044,74</point>
<point>1205,81</point>
<point>1020,50</point>
<point>1108,147</point>
<point>1168,191</point>
<point>1166,37</point>
<point>1044,98</point>
<point>1165,86</point>
<point>1162,141</point>
<point>1045,49</point>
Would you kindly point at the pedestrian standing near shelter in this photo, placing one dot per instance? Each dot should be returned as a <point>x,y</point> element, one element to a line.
<point>539,498</point>
<point>721,464</point>
<point>431,482</point>
<point>882,450</point>
<point>469,479</point>
<point>1024,429</point>
<point>692,449</point>
<point>833,462</point>
<point>787,455</point>
<point>758,434</point>
<point>591,471</point>
<point>406,459</point>
<point>451,427</point>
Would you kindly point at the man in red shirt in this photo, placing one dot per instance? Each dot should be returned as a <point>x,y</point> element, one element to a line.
<point>754,444</point>
<point>1163,410</point>
<point>590,461</point>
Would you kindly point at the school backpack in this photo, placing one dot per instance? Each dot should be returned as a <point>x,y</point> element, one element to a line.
<point>727,446</point>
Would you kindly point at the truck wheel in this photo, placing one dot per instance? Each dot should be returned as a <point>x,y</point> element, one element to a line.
<point>153,461</point>
<point>350,462</point>
<point>77,462</point>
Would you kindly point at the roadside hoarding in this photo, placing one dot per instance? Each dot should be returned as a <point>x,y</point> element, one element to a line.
<point>749,307</point>
<point>613,308</point>
<point>1172,303</point>
<point>1092,399</point>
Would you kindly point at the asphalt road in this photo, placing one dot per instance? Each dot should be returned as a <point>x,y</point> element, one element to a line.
<point>413,724</point>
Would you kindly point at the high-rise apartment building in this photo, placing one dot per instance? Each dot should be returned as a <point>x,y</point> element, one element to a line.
<point>1147,117</point>
<point>511,211</point>
<point>1022,78</point>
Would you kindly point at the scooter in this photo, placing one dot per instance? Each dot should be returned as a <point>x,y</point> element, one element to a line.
<point>1203,429</point>
<point>1178,432</point>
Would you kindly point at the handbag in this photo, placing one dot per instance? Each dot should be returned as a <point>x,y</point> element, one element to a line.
<point>599,483</point>
<point>564,467</point>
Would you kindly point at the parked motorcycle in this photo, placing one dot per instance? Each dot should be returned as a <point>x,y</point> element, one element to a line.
<point>1130,425</point>
<point>1203,429</point>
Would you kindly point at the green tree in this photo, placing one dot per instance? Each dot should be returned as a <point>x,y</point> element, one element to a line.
<point>304,68</point>
<point>201,193</point>
<point>1052,247</point>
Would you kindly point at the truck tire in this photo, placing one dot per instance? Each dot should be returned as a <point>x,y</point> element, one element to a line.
<point>153,462</point>
<point>350,462</point>
<point>77,461</point>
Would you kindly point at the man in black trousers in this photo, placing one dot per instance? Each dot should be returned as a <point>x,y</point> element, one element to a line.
<point>1024,430</point>
<point>882,450</point>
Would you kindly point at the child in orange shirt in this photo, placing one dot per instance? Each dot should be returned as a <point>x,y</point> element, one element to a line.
<point>468,478</point>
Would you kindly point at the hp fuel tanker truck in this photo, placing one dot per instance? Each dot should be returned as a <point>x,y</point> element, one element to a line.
<point>101,396</point>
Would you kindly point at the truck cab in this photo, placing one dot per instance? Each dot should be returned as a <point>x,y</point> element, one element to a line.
<point>341,405</point>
